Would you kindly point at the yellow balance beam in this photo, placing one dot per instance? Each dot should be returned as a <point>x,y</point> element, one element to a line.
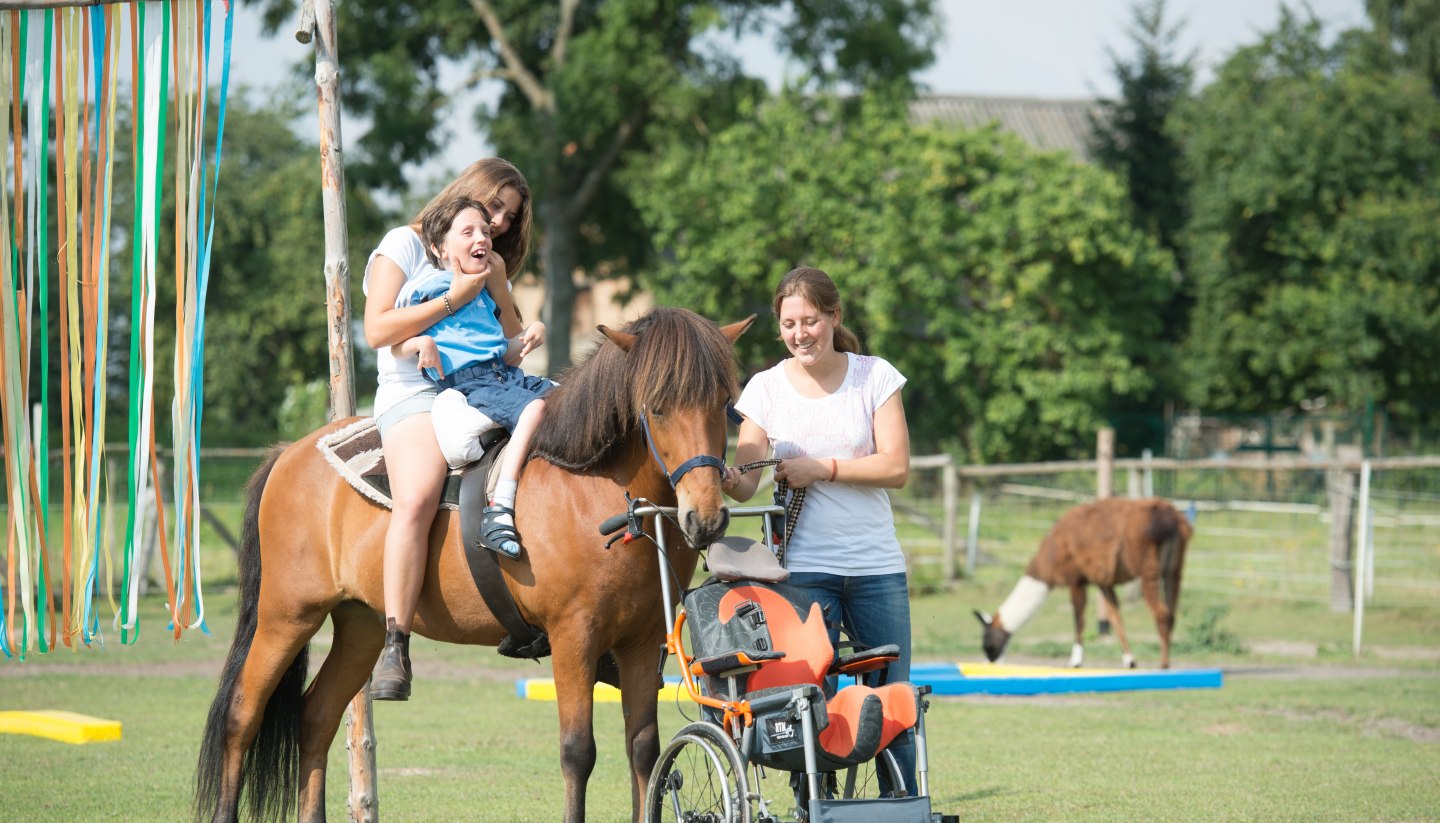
<point>543,688</point>
<point>67,727</point>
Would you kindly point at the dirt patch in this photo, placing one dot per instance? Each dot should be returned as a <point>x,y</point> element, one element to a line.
<point>1226,729</point>
<point>1383,727</point>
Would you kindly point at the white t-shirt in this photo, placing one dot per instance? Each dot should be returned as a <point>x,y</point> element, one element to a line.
<point>842,529</point>
<point>399,377</point>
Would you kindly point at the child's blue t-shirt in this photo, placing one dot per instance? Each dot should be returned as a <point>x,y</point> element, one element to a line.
<point>470,336</point>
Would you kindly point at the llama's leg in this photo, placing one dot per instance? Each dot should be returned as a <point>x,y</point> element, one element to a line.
<point>359,634</point>
<point>1114,603</point>
<point>1077,600</point>
<point>1164,617</point>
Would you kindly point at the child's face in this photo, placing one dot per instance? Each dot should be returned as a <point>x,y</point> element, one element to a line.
<point>467,244</point>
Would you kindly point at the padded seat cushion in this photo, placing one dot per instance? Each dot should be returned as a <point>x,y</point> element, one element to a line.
<point>864,720</point>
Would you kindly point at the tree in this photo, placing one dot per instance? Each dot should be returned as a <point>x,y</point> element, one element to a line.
<point>1412,26</point>
<point>587,85</point>
<point>1131,138</point>
<point>1315,173</point>
<point>1007,284</point>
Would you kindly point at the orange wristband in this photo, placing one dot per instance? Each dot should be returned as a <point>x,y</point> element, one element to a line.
<point>833,468</point>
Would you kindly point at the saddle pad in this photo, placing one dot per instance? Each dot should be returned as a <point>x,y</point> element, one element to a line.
<point>356,454</point>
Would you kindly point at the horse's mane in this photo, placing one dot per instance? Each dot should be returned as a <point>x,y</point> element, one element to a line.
<point>679,361</point>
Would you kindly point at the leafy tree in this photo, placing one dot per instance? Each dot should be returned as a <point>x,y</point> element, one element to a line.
<point>1414,27</point>
<point>1008,284</point>
<point>1314,172</point>
<point>585,86</point>
<point>1130,134</point>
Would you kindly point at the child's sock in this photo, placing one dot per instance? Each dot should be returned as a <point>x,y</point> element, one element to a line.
<point>505,493</point>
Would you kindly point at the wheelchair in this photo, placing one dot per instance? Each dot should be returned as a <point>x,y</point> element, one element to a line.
<point>772,744</point>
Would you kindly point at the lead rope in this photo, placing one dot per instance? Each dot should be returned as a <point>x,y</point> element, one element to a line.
<point>792,505</point>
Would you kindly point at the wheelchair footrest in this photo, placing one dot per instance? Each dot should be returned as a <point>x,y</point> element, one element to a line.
<point>868,810</point>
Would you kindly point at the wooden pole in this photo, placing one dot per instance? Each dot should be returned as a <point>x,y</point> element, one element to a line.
<point>1340,485</point>
<point>1105,463</point>
<point>950,484</point>
<point>317,25</point>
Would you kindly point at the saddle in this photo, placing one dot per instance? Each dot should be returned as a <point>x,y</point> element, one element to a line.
<point>355,453</point>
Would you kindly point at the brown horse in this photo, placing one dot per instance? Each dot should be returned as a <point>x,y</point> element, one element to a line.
<point>1105,543</point>
<point>653,396</point>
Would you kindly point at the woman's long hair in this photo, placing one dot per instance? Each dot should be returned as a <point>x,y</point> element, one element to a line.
<point>482,181</point>
<point>816,288</point>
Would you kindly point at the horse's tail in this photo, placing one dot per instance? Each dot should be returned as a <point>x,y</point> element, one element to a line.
<point>1169,531</point>
<point>271,767</point>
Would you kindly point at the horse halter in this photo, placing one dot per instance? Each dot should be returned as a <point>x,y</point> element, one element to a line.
<point>684,468</point>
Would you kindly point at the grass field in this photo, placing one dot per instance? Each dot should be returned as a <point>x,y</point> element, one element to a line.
<point>1301,730</point>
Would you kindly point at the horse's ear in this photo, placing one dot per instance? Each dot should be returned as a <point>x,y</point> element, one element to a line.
<point>983,618</point>
<point>624,340</point>
<point>733,331</point>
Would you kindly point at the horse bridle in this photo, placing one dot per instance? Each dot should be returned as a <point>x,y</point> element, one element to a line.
<point>684,468</point>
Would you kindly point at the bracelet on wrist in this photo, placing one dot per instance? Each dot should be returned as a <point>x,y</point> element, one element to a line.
<point>449,310</point>
<point>834,467</point>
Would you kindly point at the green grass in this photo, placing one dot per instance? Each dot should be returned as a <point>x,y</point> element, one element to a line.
<point>1331,737</point>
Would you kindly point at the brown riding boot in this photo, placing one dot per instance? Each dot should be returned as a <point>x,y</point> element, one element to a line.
<point>392,675</point>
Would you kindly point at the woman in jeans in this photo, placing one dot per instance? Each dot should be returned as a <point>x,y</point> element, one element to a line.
<point>835,420</point>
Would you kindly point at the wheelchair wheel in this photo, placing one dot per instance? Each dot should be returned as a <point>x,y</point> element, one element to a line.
<point>863,780</point>
<point>858,781</point>
<point>699,778</point>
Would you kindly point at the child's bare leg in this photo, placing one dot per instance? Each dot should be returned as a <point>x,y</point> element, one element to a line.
<point>500,514</point>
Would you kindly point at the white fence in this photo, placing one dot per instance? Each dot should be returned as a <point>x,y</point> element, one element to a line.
<point>1283,529</point>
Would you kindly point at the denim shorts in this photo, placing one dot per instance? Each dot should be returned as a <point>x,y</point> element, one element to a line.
<point>499,391</point>
<point>418,403</point>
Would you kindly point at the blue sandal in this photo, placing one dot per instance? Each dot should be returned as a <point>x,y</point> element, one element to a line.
<point>499,537</point>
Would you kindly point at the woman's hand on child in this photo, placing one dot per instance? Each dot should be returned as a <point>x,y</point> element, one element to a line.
<point>466,287</point>
<point>532,338</point>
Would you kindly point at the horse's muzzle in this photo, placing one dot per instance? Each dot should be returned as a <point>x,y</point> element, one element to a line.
<point>702,530</point>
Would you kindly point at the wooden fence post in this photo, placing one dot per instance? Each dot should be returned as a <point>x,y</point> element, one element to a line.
<point>1105,463</point>
<point>950,483</point>
<point>1340,486</point>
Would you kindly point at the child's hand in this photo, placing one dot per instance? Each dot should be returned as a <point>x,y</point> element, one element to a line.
<point>424,350</point>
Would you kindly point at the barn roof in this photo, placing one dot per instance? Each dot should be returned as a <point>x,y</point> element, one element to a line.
<point>1043,123</point>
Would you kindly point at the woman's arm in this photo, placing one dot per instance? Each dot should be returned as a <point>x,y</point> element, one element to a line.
<point>887,468</point>
<point>386,325</point>
<point>754,444</point>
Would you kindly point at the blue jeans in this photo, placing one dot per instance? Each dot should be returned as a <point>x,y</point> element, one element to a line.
<point>874,610</point>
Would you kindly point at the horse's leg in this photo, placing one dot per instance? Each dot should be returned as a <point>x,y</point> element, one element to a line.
<point>1114,603</point>
<point>272,653</point>
<point>1164,616</point>
<point>574,671</point>
<point>359,635</point>
<point>1077,601</point>
<point>638,686</point>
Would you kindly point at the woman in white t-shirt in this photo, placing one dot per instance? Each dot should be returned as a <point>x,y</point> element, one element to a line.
<point>403,396</point>
<point>835,419</point>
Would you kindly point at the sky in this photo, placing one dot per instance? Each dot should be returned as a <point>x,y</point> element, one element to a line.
<point>1029,48</point>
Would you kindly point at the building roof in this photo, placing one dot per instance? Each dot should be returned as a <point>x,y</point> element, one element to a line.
<point>1044,124</point>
